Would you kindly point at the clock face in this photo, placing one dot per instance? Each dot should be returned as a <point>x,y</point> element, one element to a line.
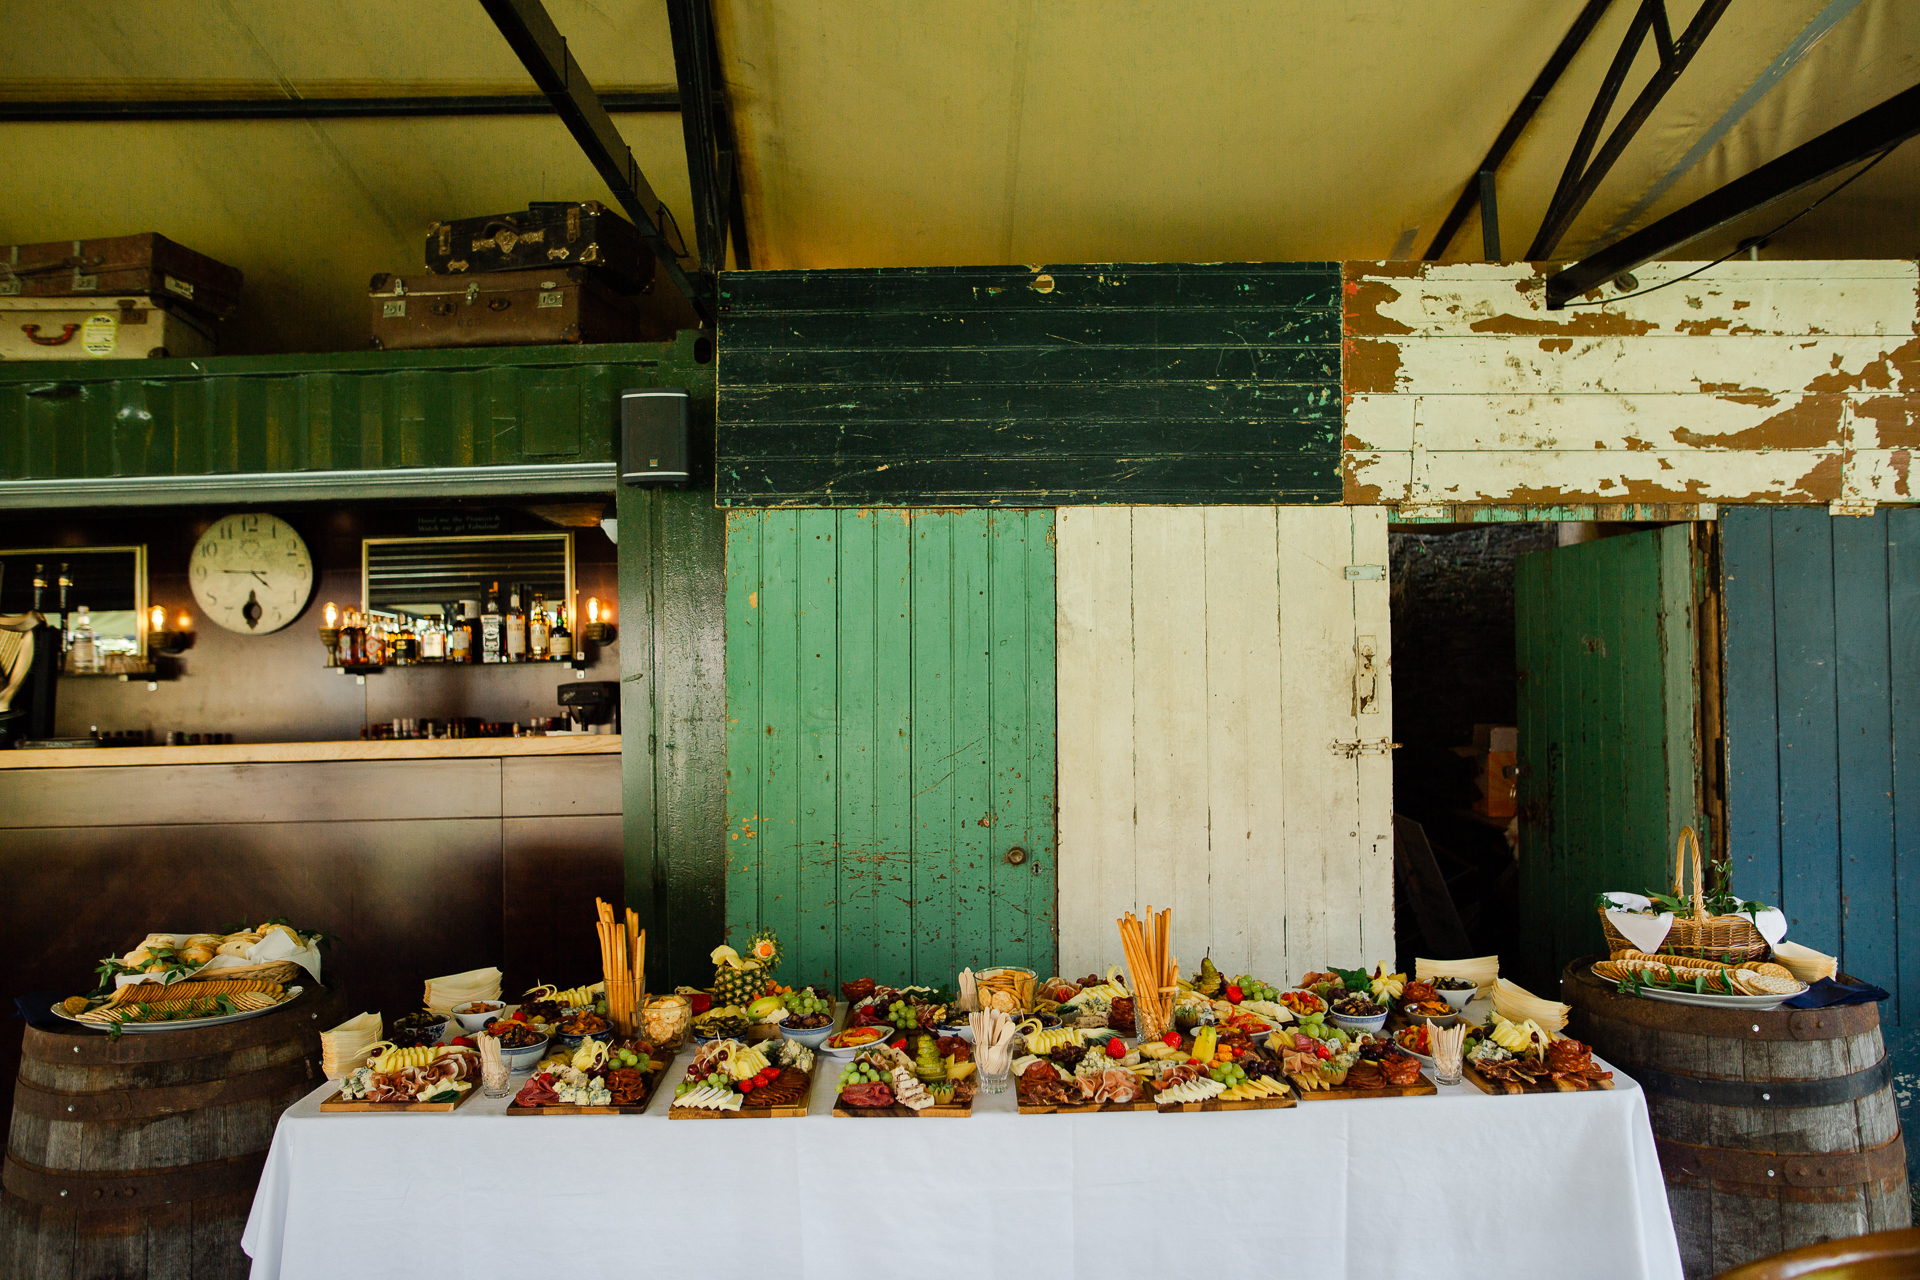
<point>251,574</point>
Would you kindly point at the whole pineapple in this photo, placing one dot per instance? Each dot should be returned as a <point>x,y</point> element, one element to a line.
<point>740,980</point>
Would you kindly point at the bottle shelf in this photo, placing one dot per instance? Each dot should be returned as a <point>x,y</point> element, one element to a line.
<point>374,668</point>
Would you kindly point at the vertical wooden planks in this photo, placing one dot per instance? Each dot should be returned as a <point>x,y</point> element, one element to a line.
<point>1373,618</point>
<point>816,752</point>
<point>1095,699</point>
<point>1863,742</point>
<point>1752,715</point>
<point>1206,720</point>
<point>1170,743</point>
<point>888,665</point>
<point>1241,721</point>
<point>1903,690</point>
<point>638,793</point>
<point>1809,789</point>
<point>1039,790</point>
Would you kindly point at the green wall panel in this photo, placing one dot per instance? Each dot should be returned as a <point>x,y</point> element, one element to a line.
<point>890,737</point>
<point>491,406</point>
<point>1016,386</point>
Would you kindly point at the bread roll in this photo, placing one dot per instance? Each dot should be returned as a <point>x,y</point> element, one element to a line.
<point>237,945</point>
<point>199,953</point>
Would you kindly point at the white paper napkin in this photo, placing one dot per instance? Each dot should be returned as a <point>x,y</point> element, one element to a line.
<point>1645,932</point>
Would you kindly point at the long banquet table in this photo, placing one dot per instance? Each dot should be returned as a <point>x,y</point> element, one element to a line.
<point>1452,1185</point>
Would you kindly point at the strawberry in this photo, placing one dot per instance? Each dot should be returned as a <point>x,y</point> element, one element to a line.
<point>750,1084</point>
<point>1171,1038</point>
<point>1235,995</point>
<point>1115,1049</point>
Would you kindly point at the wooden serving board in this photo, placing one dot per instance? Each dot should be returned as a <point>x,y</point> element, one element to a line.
<point>1248,1104</point>
<point>938,1111</point>
<point>793,1112</point>
<point>1143,1103</point>
<point>1342,1092</point>
<point>1485,1085</point>
<point>338,1103</point>
<point>574,1109</point>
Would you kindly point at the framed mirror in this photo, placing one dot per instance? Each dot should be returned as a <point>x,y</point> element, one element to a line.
<point>110,581</point>
<point>420,577</point>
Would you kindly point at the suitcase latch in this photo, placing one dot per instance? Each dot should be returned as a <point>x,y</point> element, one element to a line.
<point>473,291</point>
<point>557,298</point>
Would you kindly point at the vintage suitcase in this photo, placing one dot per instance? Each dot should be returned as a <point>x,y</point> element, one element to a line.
<point>507,308</point>
<point>145,265</point>
<point>100,329</point>
<point>549,235</point>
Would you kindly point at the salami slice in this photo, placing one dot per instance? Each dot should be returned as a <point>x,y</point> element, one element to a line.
<point>867,1095</point>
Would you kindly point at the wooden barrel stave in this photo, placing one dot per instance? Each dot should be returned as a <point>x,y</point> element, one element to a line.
<point>1785,1131</point>
<point>156,1140</point>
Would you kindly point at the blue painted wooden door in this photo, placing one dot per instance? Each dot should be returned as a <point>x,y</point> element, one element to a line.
<point>1823,742</point>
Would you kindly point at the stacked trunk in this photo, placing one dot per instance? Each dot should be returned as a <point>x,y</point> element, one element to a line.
<point>124,297</point>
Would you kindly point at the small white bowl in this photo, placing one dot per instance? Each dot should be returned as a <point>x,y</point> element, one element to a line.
<point>471,1023</point>
<point>523,1058</point>
<point>809,1038</point>
<point>1370,1025</point>
<point>1458,999</point>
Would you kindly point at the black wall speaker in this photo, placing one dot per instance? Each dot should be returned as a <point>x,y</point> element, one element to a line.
<point>653,436</point>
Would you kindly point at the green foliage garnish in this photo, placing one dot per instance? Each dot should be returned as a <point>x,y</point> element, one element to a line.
<point>1355,979</point>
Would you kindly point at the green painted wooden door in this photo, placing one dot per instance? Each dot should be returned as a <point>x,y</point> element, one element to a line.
<point>890,740</point>
<point>1609,765</point>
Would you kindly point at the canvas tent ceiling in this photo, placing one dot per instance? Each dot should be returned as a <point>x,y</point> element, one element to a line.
<point>909,132</point>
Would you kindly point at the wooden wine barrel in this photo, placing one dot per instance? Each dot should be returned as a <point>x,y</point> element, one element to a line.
<point>138,1156</point>
<point>1775,1130</point>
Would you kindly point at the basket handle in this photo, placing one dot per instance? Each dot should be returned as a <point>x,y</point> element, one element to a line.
<point>1689,837</point>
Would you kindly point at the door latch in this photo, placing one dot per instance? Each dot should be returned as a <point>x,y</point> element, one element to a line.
<point>1358,747</point>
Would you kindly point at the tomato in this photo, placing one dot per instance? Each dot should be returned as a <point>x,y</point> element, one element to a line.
<point>1171,1038</point>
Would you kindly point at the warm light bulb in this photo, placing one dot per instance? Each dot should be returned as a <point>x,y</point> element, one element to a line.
<point>184,622</point>
<point>593,609</point>
<point>333,616</point>
<point>157,618</point>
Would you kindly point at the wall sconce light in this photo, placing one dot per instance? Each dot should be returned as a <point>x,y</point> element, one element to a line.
<point>599,621</point>
<point>161,640</point>
<point>330,634</point>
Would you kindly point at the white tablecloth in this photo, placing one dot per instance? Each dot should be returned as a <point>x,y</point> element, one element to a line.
<point>1455,1185</point>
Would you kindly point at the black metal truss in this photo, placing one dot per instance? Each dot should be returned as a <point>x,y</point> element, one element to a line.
<point>1543,83</point>
<point>1582,177</point>
<point>1871,133</point>
<point>712,172</point>
<point>505,104</point>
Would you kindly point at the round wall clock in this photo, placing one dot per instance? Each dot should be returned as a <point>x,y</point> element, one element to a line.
<point>251,573</point>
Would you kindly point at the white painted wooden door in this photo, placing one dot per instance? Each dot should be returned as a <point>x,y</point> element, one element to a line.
<point>1210,682</point>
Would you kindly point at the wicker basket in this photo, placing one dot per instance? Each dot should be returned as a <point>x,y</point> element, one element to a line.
<point>1703,936</point>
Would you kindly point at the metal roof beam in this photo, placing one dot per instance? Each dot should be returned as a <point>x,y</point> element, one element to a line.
<point>1868,134</point>
<point>543,50</point>
<point>1580,179</point>
<point>691,24</point>
<point>1542,85</point>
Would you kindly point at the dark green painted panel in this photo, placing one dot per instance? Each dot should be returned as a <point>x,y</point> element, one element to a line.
<point>1293,479</point>
<point>1602,720</point>
<point>361,411</point>
<point>890,737</point>
<point>1009,386</point>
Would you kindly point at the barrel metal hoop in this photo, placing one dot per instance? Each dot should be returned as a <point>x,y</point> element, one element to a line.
<point>149,1103</point>
<point>115,1192</point>
<point>1766,1171</point>
<point>1764,1093</point>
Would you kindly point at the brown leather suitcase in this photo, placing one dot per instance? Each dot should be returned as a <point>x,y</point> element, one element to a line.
<point>550,235</point>
<point>149,265</point>
<point>507,308</point>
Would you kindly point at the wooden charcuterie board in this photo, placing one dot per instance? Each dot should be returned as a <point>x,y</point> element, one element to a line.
<point>1341,1092</point>
<point>1485,1085</point>
<point>748,1111</point>
<point>1142,1103</point>
<point>938,1111</point>
<point>338,1103</point>
<point>1249,1104</point>
<point>574,1109</point>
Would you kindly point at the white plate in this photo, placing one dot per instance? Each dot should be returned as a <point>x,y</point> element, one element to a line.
<point>185,1024</point>
<point>1705,1001</point>
<point>848,1051</point>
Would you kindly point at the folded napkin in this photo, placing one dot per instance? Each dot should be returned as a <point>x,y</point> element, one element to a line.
<point>1826,993</point>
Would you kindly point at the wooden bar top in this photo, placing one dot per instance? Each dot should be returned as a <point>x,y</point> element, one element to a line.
<point>303,752</point>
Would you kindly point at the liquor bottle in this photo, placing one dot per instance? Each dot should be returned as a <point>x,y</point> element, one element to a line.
<point>516,626</point>
<point>493,628</point>
<point>433,641</point>
<point>560,640</point>
<point>459,632</point>
<point>86,654</point>
<point>403,648</point>
<point>539,630</point>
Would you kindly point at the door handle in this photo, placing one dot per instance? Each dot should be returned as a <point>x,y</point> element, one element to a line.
<point>1016,856</point>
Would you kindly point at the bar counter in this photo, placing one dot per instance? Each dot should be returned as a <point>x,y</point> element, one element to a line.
<point>291,752</point>
<point>421,856</point>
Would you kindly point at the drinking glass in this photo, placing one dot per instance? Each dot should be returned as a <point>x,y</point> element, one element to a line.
<point>996,1081</point>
